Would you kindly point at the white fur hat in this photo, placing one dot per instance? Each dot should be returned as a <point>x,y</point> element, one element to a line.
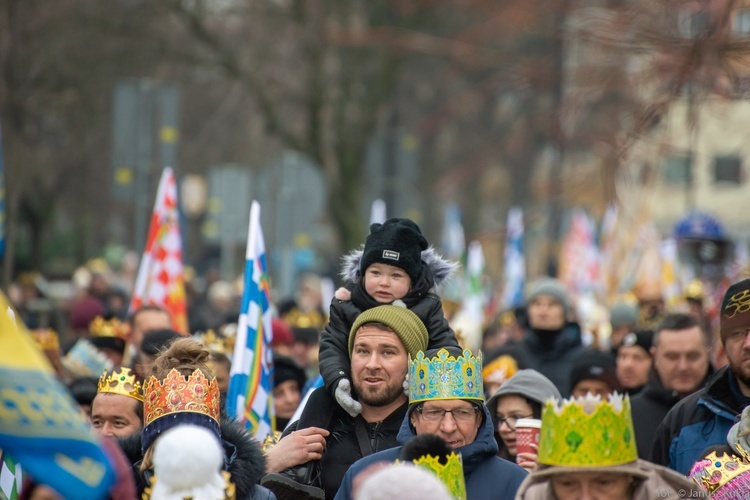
<point>187,463</point>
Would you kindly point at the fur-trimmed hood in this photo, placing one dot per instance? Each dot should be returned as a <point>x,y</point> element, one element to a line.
<point>440,268</point>
<point>243,458</point>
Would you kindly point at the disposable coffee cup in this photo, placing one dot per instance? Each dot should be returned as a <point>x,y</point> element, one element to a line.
<point>527,433</point>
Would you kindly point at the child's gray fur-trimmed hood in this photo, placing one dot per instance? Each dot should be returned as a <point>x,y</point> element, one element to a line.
<point>441,268</point>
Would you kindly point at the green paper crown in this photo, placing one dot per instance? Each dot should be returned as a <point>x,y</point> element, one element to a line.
<point>587,432</point>
<point>445,377</point>
<point>451,474</point>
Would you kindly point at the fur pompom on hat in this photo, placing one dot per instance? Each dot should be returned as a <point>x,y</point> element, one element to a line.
<point>405,324</point>
<point>396,242</point>
<point>187,464</point>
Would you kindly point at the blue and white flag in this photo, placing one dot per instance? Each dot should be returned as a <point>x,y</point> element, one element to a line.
<point>250,394</point>
<point>514,272</point>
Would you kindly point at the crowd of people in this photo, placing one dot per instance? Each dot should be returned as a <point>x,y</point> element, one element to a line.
<point>406,409</point>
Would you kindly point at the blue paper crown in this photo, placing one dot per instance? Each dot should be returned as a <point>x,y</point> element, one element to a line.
<point>445,377</point>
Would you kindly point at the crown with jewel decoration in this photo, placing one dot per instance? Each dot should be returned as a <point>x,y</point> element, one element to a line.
<point>723,474</point>
<point>587,432</point>
<point>112,328</point>
<point>122,381</point>
<point>177,394</point>
<point>445,377</point>
<point>451,473</point>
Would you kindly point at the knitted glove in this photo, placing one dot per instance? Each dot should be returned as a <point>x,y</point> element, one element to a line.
<point>406,384</point>
<point>343,394</point>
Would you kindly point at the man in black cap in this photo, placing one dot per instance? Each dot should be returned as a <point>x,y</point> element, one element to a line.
<point>634,360</point>
<point>705,417</point>
<point>681,367</point>
<point>593,372</point>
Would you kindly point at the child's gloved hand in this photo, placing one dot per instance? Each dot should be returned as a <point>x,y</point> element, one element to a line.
<point>406,384</point>
<point>343,395</point>
<point>343,294</point>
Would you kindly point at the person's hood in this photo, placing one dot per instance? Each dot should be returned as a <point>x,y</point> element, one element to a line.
<point>527,383</point>
<point>243,458</point>
<point>440,268</point>
<point>473,454</point>
<point>652,481</point>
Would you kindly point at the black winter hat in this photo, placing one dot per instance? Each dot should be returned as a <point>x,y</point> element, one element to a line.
<point>285,369</point>
<point>591,364</point>
<point>396,242</point>
<point>735,309</point>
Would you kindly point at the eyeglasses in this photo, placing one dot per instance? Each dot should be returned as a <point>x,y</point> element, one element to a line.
<point>438,414</point>
<point>510,421</point>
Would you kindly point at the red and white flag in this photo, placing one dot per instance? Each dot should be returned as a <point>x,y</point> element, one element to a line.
<point>160,280</point>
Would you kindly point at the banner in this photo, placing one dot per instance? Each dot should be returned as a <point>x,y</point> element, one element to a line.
<point>514,268</point>
<point>41,426</point>
<point>249,398</point>
<point>160,280</point>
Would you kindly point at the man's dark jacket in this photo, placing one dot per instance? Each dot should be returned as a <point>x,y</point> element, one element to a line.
<point>342,447</point>
<point>700,420</point>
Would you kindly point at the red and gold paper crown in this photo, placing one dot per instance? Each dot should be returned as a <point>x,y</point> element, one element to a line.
<point>176,394</point>
<point>122,381</point>
<point>112,328</point>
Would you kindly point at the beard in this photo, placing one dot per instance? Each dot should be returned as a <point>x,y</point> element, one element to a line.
<point>378,396</point>
<point>741,375</point>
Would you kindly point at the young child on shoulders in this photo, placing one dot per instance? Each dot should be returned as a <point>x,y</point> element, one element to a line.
<point>396,264</point>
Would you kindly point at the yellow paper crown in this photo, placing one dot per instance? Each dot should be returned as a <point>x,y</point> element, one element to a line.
<point>714,472</point>
<point>122,381</point>
<point>112,328</point>
<point>587,432</point>
<point>445,377</point>
<point>176,394</point>
<point>451,473</point>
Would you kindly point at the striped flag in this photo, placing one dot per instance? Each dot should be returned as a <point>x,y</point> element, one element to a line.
<point>41,426</point>
<point>249,398</point>
<point>11,477</point>
<point>514,268</point>
<point>579,258</point>
<point>160,280</point>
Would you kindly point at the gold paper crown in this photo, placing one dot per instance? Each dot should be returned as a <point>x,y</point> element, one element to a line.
<point>587,432</point>
<point>714,472</point>
<point>122,381</point>
<point>308,319</point>
<point>445,377</point>
<point>229,490</point>
<point>176,394</point>
<point>46,339</point>
<point>112,328</point>
<point>451,474</point>
<point>217,344</point>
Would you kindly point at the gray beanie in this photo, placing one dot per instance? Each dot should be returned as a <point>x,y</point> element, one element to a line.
<point>551,287</point>
<point>527,383</point>
<point>623,314</point>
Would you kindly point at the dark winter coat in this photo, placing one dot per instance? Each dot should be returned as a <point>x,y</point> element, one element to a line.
<point>552,353</point>
<point>698,421</point>
<point>334,343</point>
<point>243,459</point>
<point>486,475</point>
<point>649,407</point>
<point>342,446</point>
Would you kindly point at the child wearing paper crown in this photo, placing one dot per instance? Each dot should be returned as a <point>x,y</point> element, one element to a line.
<point>396,264</point>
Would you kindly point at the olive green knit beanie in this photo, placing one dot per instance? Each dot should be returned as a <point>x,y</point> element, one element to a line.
<point>405,324</point>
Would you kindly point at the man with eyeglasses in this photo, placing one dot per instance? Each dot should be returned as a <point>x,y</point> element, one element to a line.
<point>446,399</point>
<point>705,417</point>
